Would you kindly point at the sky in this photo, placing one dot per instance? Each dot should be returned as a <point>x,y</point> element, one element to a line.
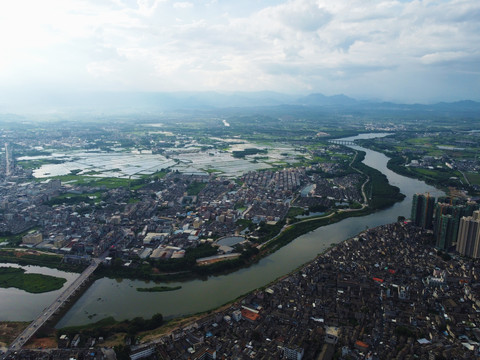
<point>407,51</point>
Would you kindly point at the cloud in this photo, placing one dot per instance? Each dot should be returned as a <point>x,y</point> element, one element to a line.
<point>291,45</point>
<point>442,57</point>
<point>183,5</point>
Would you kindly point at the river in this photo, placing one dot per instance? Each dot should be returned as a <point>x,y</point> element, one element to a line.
<point>19,305</point>
<point>120,299</point>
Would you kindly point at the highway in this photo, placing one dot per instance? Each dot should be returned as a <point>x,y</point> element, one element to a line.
<point>52,309</point>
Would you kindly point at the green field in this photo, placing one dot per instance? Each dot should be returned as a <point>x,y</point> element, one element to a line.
<point>32,283</point>
<point>473,178</point>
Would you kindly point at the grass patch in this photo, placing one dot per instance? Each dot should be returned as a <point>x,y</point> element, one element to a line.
<point>473,178</point>
<point>109,182</point>
<point>35,164</point>
<point>159,288</point>
<point>71,199</point>
<point>295,211</point>
<point>32,283</point>
<point>195,187</point>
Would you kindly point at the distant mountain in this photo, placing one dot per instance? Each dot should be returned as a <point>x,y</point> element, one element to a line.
<point>322,100</point>
<point>155,102</point>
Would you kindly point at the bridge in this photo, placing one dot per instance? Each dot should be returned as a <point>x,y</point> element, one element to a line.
<point>342,142</point>
<point>49,311</point>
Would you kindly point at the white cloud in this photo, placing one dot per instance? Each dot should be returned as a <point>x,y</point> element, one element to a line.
<point>182,5</point>
<point>441,57</point>
<point>296,45</point>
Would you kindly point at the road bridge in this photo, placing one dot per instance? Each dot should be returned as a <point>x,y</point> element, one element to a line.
<point>342,142</point>
<point>49,311</point>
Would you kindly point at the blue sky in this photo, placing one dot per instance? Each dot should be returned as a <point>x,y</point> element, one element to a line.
<point>410,51</point>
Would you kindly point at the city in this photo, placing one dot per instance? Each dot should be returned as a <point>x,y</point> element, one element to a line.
<point>213,179</point>
<point>173,223</point>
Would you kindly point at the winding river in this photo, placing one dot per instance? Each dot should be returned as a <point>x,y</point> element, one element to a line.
<point>120,299</point>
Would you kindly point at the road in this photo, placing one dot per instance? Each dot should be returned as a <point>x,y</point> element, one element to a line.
<point>52,309</point>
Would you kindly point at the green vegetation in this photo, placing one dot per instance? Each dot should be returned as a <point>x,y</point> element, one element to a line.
<point>13,239</point>
<point>473,178</point>
<point>159,288</point>
<point>111,182</point>
<point>35,164</point>
<point>435,150</point>
<point>110,326</point>
<point>266,231</point>
<point>158,269</point>
<point>244,223</point>
<point>381,193</point>
<point>438,177</point>
<point>32,283</point>
<point>32,257</point>
<point>303,227</point>
<point>293,212</point>
<point>195,187</point>
<point>70,199</point>
<point>177,269</point>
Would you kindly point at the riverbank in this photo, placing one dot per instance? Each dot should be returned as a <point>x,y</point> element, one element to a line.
<point>37,258</point>
<point>443,177</point>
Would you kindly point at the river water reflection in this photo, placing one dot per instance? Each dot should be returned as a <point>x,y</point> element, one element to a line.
<point>120,299</point>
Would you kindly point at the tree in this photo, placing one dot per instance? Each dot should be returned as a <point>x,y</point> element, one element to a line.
<point>156,321</point>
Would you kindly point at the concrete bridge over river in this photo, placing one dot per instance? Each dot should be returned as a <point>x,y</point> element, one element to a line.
<point>49,311</point>
<point>342,142</point>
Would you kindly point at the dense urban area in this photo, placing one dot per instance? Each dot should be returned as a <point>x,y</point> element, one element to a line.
<point>173,199</point>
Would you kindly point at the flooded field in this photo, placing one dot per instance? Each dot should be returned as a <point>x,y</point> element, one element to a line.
<point>190,160</point>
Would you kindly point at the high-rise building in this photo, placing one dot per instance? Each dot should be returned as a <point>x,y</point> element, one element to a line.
<point>468,241</point>
<point>446,227</point>
<point>422,210</point>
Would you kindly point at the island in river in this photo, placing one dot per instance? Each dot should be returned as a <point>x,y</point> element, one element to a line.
<point>32,283</point>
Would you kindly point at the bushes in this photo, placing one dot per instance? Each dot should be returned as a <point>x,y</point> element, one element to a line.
<point>110,326</point>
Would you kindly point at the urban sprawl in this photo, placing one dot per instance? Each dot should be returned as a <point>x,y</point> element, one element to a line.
<point>408,290</point>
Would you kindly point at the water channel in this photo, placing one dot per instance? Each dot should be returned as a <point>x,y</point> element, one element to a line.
<point>120,299</point>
